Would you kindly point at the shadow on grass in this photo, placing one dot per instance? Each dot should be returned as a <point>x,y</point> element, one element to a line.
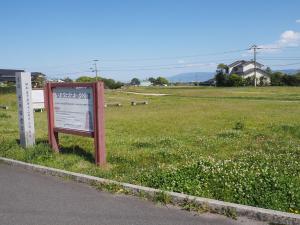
<point>76,150</point>
<point>38,141</point>
<point>72,150</point>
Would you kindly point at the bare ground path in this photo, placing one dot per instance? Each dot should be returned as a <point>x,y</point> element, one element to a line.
<point>145,94</point>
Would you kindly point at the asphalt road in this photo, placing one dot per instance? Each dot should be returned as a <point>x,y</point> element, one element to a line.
<point>28,197</point>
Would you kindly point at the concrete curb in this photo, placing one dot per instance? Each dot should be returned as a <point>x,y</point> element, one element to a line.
<point>220,207</point>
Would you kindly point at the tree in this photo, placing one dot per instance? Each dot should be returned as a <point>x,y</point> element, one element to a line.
<point>291,80</point>
<point>152,80</point>
<point>38,80</point>
<point>223,68</point>
<point>269,71</point>
<point>108,83</point>
<point>111,84</point>
<point>161,81</point>
<point>222,75</point>
<point>85,79</point>
<point>221,79</point>
<point>263,81</point>
<point>276,79</point>
<point>68,80</point>
<point>135,81</point>
<point>249,81</point>
<point>117,85</point>
<point>158,81</point>
<point>235,80</point>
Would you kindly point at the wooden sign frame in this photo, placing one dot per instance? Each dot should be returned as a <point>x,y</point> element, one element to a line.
<point>98,118</point>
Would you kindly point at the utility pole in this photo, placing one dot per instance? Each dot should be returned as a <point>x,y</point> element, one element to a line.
<point>254,59</point>
<point>95,69</point>
<point>254,48</point>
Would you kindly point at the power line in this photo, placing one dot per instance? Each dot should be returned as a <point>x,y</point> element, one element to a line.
<point>138,69</point>
<point>172,66</point>
<point>162,68</point>
<point>155,67</point>
<point>164,65</point>
<point>71,64</point>
<point>148,59</point>
<point>174,57</point>
<point>289,64</point>
<point>281,47</point>
<point>255,48</point>
<point>69,73</point>
<point>169,66</point>
<point>165,58</point>
<point>280,59</point>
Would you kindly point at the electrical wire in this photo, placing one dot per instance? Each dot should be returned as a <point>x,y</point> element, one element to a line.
<point>174,57</point>
<point>289,64</point>
<point>170,66</point>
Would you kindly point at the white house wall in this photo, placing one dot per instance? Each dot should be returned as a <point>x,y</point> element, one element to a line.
<point>258,75</point>
<point>243,68</point>
<point>251,66</point>
<point>248,67</point>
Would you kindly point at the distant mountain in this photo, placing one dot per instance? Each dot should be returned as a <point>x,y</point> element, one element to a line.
<point>289,71</point>
<point>191,77</point>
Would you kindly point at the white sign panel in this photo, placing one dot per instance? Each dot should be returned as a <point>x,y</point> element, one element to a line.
<point>73,108</point>
<point>38,99</point>
<point>26,120</point>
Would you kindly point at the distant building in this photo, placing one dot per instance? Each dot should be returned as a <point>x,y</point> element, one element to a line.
<point>8,75</point>
<point>145,83</point>
<point>246,70</point>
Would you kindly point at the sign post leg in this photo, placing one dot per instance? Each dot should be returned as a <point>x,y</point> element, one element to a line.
<point>52,135</point>
<point>99,136</point>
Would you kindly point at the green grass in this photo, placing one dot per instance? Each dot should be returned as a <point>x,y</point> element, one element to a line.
<point>235,144</point>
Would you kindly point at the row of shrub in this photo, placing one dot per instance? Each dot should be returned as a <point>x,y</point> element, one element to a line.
<point>276,78</point>
<point>8,89</point>
<point>108,83</point>
<point>235,80</point>
<point>281,79</point>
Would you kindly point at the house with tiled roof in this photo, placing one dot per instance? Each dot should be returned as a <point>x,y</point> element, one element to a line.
<point>247,69</point>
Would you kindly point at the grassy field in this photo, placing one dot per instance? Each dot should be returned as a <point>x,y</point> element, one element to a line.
<point>235,144</point>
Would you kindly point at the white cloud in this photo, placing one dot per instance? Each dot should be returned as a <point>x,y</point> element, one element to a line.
<point>298,21</point>
<point>288,38</point>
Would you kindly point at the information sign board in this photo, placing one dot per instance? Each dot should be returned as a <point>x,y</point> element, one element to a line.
<point>78,109</point>
<point>73,108</point>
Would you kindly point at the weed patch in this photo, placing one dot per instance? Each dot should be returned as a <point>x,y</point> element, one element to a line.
<point>4,115</point>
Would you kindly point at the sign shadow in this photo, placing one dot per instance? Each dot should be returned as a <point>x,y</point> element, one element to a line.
<point>76,150</point>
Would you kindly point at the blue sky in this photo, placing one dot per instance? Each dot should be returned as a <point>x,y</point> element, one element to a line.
<point>145,38</point>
